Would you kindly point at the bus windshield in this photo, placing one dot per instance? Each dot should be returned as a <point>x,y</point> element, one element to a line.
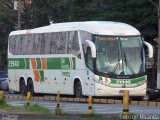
<point>119,55</point>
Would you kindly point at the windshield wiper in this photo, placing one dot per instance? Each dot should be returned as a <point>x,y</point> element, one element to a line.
<point>117,64</point>
<point>128,64</point>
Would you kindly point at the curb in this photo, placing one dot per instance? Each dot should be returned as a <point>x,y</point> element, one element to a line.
<point>84,100</point>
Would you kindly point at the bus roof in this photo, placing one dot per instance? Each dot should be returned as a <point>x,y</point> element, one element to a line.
<point>94,27</point>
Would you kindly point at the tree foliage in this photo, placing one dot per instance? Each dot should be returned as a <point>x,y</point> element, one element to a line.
<point>7,23</point>
<point>142,14</point>
<point>139,13</point>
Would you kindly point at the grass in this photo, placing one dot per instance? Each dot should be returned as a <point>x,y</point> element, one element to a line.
<point>38,109</point>
<point>33,108</point>
<point>5,106</point>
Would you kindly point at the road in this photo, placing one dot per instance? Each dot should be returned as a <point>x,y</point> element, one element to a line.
<point>82,108</point>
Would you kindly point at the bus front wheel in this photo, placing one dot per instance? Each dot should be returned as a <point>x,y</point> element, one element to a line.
<point>30,87</point>
<point>78,90</point>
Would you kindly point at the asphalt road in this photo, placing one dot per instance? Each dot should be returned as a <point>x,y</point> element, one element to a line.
<point>82,108</point>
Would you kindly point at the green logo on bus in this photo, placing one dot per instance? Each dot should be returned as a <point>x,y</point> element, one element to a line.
<point>67,74</point>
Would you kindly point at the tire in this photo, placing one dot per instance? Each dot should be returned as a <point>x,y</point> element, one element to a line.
<point>30,87</point>
<point>22,88</point>
<point>78,90</point>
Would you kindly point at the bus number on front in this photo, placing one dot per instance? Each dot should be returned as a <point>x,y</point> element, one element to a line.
<point>123,81</point>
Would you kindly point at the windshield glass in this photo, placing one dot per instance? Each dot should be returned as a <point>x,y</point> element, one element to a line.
<point>119,55</point>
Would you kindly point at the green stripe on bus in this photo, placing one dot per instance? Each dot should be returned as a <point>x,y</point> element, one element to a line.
<point>53,63</point>
<point>100,79</point>
<point>135,80</point>
<point>27,66</point>
<point>64,63</point>
<point>60,63</point>
<point>42,75</point>
<point>18,63</point>
<point>39,64</point>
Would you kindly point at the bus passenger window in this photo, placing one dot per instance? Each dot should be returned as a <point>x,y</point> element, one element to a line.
<point>47,43</point>
<point>12,44</point>
<point>53,44</point>
<point>73,44</point>
<point>61,43</point>
<point>42,44</point>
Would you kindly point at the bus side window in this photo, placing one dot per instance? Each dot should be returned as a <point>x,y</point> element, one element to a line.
<point>17,45</point>
<point>21,44</point>
<point>35,44</point>
<point>73,44</point>
<point>42,44</point>
<point>53,43</point>
<point>28,47</point>
<point>12,44</point>
<point>89,60</point>
<point>61,43</point>
<point>47,42</point>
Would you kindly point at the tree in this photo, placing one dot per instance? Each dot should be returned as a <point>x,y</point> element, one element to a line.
<point>139,13</point>
<point>7,23</point>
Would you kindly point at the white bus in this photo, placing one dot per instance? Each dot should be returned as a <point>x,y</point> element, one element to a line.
<point>97,58</point>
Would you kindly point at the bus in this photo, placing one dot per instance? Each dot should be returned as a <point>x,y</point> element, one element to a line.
<point>98,58</point>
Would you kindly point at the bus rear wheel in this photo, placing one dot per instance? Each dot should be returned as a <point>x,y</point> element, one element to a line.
<point>22,87</point>
<point>78,90</point>
<point>30,87</point>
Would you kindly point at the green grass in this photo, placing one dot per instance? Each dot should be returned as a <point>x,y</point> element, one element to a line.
<point>5,106</point>
<point>36,108</point>
<point>33,108</point>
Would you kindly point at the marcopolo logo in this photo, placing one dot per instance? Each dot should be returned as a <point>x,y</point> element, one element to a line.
<point>67,74</point>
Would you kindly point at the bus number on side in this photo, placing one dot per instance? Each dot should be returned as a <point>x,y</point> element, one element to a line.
<point>13,63</point>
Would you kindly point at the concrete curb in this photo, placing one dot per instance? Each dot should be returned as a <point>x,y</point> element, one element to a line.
<point>84,100</point>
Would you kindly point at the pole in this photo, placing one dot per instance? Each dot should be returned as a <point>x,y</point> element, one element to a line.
<point>125,104</point>
<point>158,62</point>
<point>58,110</point>
<point>90,105</point>
<point>28,98</point>
<point>19,15</point>
<point>2,95</point>
<point>58,98</point>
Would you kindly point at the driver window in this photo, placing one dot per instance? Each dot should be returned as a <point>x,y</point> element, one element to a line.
<point>89,60</point>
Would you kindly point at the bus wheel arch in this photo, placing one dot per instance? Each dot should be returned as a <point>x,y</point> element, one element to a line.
<point>30,86</point>
<point>78,88</point>
<point>22,86</point>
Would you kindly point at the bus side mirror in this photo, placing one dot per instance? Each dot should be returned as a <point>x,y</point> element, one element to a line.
<point>150,49</point>
<point>93,48</point>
